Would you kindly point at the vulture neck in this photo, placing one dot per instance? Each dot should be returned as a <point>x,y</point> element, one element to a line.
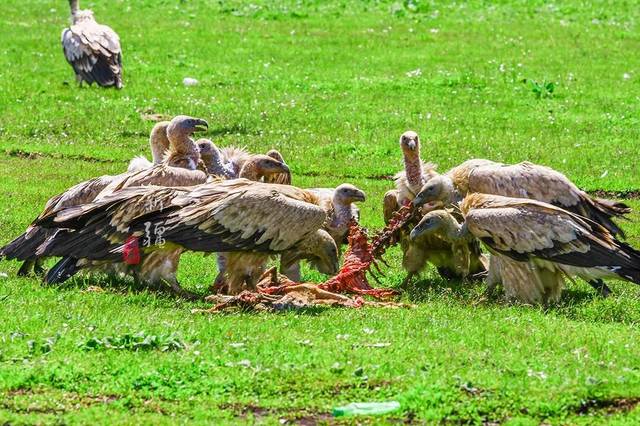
<point>341,212</point>
<point>183,151</point>
<point>159,147</point>
<point>214,163</point>
<point>413,171</point>
<point>73,4</point>
<point>159,142</point>
<point>456,232</point>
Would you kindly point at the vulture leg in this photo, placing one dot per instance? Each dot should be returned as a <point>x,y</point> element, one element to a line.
<point>38,269</point>
<point>26,268</point>
<point>601,287</point>
<point>32,265</point>
<point>407,280</point>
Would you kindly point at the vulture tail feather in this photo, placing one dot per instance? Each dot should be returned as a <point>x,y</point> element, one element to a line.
<point>62,271</point>
<point>24,247</point>
<point>603,210</point>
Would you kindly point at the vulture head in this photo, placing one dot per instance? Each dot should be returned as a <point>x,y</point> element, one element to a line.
<point>319,249</point>
<point>346,194</point>
<point>410,143</point>
<point>435,222</point>
<point>275,154</point>
<point>183,126</point>
<point>208,150</point>
<point>259,166</point>
<point>437,192</point>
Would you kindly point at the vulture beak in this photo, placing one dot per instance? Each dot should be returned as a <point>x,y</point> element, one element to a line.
<point>201,125</point>
<point>412,145</point>
<point>285,168</point>
<point>418,201</point>
<point>416,232</point>
<point>359,196</point>
<point>336,267</point>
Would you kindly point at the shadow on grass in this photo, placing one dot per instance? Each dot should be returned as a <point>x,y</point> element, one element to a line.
<point>578,301</point>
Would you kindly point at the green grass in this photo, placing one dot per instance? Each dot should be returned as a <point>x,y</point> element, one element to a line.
<point>327,84</point>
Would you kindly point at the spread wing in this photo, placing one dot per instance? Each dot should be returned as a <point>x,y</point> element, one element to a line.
<point>234,215</point>
<point>94,52</point>
<point>251,215</point>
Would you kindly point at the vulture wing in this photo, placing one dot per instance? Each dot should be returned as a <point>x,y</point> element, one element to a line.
<point>528,229</point>
<point>234,215</point>
<point>158,175</point>
<point>241,215</point>
<point>527,180</point>
<point>93,50</point>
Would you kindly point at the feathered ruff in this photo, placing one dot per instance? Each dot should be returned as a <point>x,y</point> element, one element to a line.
<point>138,163</point>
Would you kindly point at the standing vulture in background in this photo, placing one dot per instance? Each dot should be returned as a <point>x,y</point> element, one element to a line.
<point>159,143</point>
<point>25,246</point>
<point>552,242</point>
<point>93,50</point>
<point>237,215</point>
<point>429,248</point>
<point>524,180</point>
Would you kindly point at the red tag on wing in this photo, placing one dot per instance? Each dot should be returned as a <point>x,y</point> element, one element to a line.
<point>131,251</point>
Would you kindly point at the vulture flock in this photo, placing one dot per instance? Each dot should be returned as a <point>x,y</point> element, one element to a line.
<point>536,226</point>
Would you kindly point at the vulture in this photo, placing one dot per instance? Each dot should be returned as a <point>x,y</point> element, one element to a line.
<point>523,180</point>
<point>547,241</point>
<point>256,168</point>
<point>229,216</point>
<point>181,127</point>
<point>159,143</point>
<point>214,160</point>
<point>340,208</point>
<point>339,205</point>
<point>429,248</point>
<point>459,254</point>
<point>181,165</point>
<point>93,50</point>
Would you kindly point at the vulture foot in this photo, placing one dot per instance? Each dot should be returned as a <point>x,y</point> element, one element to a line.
<point>177,290</point>
<point>407,280</point>
<point>601,287</point>
<point>219,285</point>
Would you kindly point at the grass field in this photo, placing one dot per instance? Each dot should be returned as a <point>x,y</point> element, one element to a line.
<point>332,84</point>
